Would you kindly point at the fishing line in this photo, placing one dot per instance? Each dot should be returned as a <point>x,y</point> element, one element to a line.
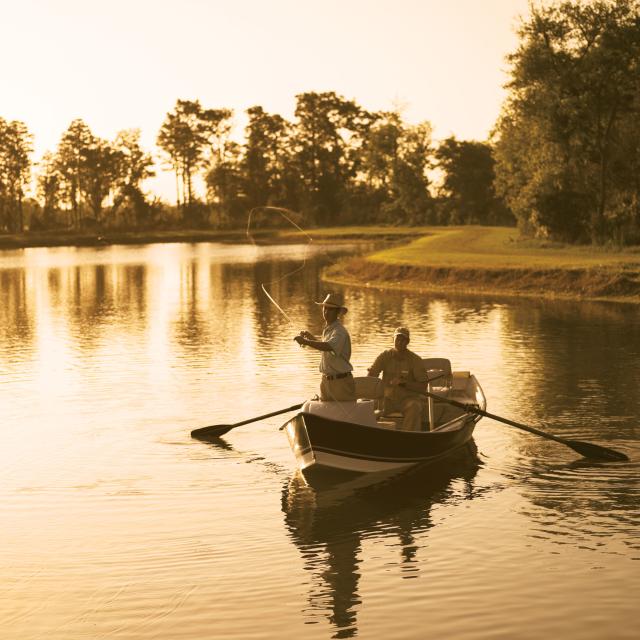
<point>283,212</point>
<point>286,213</point>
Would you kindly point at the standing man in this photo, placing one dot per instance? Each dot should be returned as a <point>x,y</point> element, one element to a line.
<point>404,376</point>
<point>337,380</point>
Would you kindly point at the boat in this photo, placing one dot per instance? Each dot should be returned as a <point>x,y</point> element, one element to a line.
<point>347,439</point>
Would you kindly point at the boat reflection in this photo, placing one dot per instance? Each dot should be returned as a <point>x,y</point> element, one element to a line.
<point>329,523</point>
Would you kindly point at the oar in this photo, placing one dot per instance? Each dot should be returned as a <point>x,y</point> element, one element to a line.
<point>586,449</point>
<point>216,430</point>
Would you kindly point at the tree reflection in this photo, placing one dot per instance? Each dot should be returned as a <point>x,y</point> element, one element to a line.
<point>16,323</point>
<point>328,524</point>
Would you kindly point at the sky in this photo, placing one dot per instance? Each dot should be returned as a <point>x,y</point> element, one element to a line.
<point>123,64</point>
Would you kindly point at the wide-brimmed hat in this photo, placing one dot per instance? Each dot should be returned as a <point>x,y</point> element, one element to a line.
<point>334,301</point>
<point>401,331</point>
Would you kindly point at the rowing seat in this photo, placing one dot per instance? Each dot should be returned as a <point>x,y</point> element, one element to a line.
<point>372,388</point>
<point>368,387</point>
<point>441,379</point>
<point>439,371</point>
<point>359,412</point>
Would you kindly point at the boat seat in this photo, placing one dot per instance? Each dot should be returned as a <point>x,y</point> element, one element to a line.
<point>459,382</point>
<point>441,381</point>
<point>368,387</point>
<point>438,370</point>
<point>372,388</point>
<point>359,412</point>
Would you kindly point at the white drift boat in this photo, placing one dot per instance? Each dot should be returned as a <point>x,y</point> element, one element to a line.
<point>354,438</point>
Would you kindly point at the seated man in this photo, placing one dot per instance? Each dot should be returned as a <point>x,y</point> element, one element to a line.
<point>405,377</point>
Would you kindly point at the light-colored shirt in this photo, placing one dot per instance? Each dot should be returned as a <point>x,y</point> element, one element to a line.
<point>406,367</point>
<point>337,360</point>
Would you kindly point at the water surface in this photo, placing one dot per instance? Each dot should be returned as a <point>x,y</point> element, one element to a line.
<point>116,524</point>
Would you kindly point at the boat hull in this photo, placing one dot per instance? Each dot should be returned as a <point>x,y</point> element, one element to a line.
<point>323,445</point>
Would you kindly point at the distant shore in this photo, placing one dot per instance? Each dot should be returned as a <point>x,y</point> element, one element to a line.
<point>465,259</point>
<point>107,237</point>
<point>102,238</point>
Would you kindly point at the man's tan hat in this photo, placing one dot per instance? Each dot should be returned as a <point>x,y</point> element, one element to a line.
<point>401,331</point>
<point>335,301</point>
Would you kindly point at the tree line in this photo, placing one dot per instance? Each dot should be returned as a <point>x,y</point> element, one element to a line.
<point>336,163</point>
<point>563,160</point>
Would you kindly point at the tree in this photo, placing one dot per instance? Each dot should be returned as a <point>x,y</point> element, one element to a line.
<point>181,138</point>
<point>222,161</point>
<point>49,189</point>
<point>412,201</point>
<point>563,137</point>
<point>267,161</point>
<point>328,132</point>
<point>380,151</point>
<point>70,163</point>
<point>225,186</point>
<point>100,164</point>
<point>194,138</point>
<point>395,158</point>
<point>215,128</point>
<point>86,170</point>
<point>468,183</point>
<point>16,146</point>
<point>133,167</point>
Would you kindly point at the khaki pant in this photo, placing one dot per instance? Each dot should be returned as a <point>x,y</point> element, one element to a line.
<point>413,411</point>
<point>340,390</point>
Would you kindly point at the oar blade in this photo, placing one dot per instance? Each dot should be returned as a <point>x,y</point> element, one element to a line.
<point>213,431</point>
<point>596,452</point>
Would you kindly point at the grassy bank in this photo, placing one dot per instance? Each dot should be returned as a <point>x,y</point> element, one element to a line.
<point>495,260</point>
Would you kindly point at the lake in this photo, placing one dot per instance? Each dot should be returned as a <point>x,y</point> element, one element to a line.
<point>116,524</point>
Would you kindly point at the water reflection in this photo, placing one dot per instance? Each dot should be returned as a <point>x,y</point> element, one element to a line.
<point>590,504</point>
<point>580,365</point>
<point>108,357</point>
<point>329,524</point>
<point>16,321</point>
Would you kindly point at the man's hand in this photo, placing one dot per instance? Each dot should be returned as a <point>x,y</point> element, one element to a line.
<point>300,339</point>
<point>307,335</point>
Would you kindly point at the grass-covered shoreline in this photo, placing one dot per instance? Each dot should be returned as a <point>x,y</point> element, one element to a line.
<point>496,261</point>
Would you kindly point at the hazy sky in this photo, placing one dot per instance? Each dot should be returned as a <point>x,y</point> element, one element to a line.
<point>122,64</point>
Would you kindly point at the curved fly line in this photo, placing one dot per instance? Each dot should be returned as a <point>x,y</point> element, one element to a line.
<point>286,215</point>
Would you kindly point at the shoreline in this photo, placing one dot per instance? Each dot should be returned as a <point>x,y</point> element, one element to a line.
<point>490,261</point>
<point>576,284</point>
<point>107,238</point>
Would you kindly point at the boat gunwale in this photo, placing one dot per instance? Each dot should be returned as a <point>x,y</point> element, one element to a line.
<point>464,418</point>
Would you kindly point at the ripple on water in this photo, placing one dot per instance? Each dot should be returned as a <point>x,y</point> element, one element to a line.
<point>117,524</point>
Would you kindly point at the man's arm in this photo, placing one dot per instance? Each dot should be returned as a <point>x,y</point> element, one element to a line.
<point>377,366</point>
<point>420,387</point>
<point>421,378</point>
<point>312,342</point>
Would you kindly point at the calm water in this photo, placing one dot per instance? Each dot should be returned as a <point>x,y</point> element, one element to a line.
<point>116,524</point>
